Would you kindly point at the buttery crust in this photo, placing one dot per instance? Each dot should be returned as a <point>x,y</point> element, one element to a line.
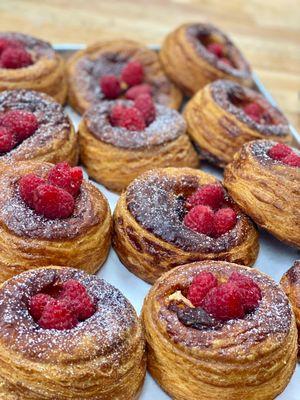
<point>103,358</point>
<point>250,358</point>
<point>28,240</point>
<point>150,237</point>
<point>86,67</point>
<point>46,74</point>
<point>219,127</point>
<point>190,66</point>
<point>267,190</point>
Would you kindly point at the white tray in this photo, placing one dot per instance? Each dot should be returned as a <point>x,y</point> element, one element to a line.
<point>274,259</point>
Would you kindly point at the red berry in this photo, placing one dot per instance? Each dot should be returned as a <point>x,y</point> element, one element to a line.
<point>250,291</point>
<point>279,151</point>
<point>208,195</point>
<point>4,43</point>
<point>67,178</point>
<point>116,114</point>
<point>37,304</point>
<point>132,119</point>
<point>110,86</point>
<point>27,185</point>
<point>145,104</point>
<point>200,286</point>
<point>216,49</point>
<point>15,57</point>
<point>135,91</point>
<point>53,202</point>
<point>225,219</point>
<point>133,73</point>
<point>226,61</point>
<point>200,219</point>
<point>22,123</point>
<point>58,314</point>
<point>254,111</point>
<point>224,302</point>
<point>7,139</point>
<point>292,159</point>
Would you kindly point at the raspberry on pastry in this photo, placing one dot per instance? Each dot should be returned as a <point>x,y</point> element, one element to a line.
<point>15,57</point>
<point>133,92</point>
<point>224,220</point>
<point>7,139</point>
<point>64,176</point>
<point>211,195</point>
<point>201,285</point>
<point>53,202</point>
<point>145,105</point>
<point>133,73</point>
<point>200,219</point>
<point>22,123</point>
<point>110,86</point>
<point>27,186</point>
<point>279,151</point>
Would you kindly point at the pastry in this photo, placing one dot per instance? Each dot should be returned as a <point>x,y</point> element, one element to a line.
<point>216,330</point>
<point>198,53</point>
<point>51,216</point>
<point>171,216</point>
<point>30,63</point>
<point>224,115</point>
<point>117,143</point>
<point>264,180</point>
<point>118,68</point>
<point>34,127</point>
<point>66,335</point>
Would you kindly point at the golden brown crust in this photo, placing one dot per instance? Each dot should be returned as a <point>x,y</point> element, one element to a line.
<point>30,241</point>
<point>188,64</point>
<point>219,128</point>
<point>250,358</point>
<point>84,87</point>
<point>102,358</point>
<point>148,256</point>
<point>266,190</point>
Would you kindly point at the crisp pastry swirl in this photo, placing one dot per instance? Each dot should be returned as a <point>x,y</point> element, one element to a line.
<point>102,358</point>
<point>150,237</point>
<point>266,189</point>
<point>46,74</point>
<point>191,66</point>
<point>87,66</point>
<point>219,126</point>
<point>28,239</point>
<point>55,139</point>
<point>249,358</point>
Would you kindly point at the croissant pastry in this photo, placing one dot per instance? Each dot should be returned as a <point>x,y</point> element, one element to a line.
<point>171,216</point>
<point>216,330</point>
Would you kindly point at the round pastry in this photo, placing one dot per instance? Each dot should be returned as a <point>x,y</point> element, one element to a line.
<point>50,216</point>
<point>264,180</point>
<point>118,68</point>
<point>224,115</point>
<point>290,283</point>
<point>216,330</point>
<point>68,335</point>
<point>198,53</point>
<point>171,216</point>
<point>30,63</point>
<point>34,127</point>
<point>117,144</point>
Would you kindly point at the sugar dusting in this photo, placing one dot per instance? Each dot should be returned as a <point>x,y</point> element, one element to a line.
<point>260,148</point>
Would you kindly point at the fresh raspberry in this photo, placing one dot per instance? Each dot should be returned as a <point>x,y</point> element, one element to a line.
<point>116,114</point>
<point>200,219</point>
<point>279,151</point>
<point>58,314</point>
<point>135,91</point>
<point>53,202</point>
<point>224,302</point>
<point>7,139</point>
<point>216,49</point>
<point>292,159</point>
<point>27,185</point>
<point>225,219</point>
<point>22,123</point>
<point>200,286</point>
<point>254,111</point>
<point>15,57</point>
<point>110,86</point>
<point>250,291</point>
<point>4,43</point>
<point>132,119</point>
<point>67,178</point>
<point>208,195</point>
<point>145,104</point>
<point>133,73</point>
<point>37,304</point>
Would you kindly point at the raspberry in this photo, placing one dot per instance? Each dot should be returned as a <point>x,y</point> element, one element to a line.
<point>67,178</point>
<point>58,314</point>
<point>132,119</point>
<point>145,104</point>
<point>7,139</point>
<point>279,151</point>
<point>200,219</point>
<point>27,185</point>
<point>226,61</point>
<point>250,291</point>
<point>225,219</point>
<point>37,304</point>
<point>53,202</point>
<point>4,43</point>
<point>133,73</point>
<point>224,302</point>
<point>292,159</point>
<point>110,86</point>
<point>200,286</point>
<point>208,195</point>
<point>15,57</point>
<point>216,49</point>
<point>254,111</point>
<point>116,114</point>
<point>22,123</point>
<point>135,91</point>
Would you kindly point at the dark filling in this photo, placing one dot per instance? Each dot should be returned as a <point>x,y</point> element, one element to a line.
<point>195,318</point>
